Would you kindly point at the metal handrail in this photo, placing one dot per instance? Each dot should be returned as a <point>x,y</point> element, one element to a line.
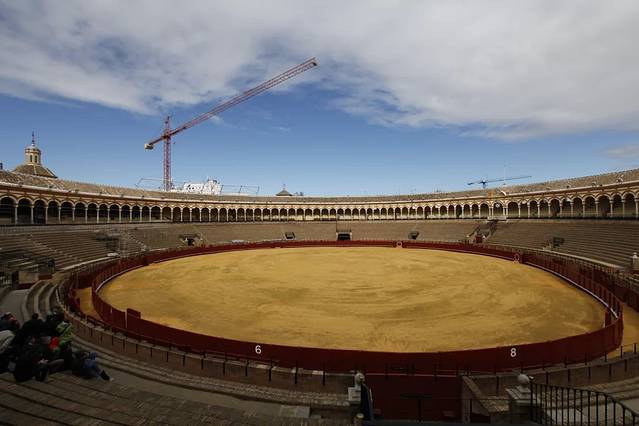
<point>552,404</point>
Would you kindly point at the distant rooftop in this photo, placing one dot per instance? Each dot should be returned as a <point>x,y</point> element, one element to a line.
<point>593,181</point>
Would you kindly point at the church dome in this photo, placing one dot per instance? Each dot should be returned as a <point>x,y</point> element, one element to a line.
<point>33,162</point>
<point>283,193</point>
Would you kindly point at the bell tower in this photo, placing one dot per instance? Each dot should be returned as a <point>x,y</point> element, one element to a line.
<point>32,154</point>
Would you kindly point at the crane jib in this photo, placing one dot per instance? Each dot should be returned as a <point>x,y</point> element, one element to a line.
<point>241,97</point>
<point>168,132</point>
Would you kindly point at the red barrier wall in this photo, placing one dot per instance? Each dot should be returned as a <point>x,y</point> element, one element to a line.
<point>567,350</point>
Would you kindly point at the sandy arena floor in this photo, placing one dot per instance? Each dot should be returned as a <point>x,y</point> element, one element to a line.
<point>359,298</point>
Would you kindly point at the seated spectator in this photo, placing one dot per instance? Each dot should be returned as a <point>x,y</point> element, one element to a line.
<point>86,365</point>
<point>9,322</point>
<point>30,362</point>
<point>52,322</point>
<point>32,328</point>
<point>65,331</point>
<point>54,344</point>
<point>6,340</point>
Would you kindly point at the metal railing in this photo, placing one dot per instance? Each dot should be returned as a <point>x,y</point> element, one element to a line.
<point>559,405</point>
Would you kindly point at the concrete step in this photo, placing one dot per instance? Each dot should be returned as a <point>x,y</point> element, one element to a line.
<point>240,390</point>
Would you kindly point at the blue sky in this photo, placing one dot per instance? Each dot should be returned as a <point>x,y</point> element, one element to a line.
<point>373,118</point>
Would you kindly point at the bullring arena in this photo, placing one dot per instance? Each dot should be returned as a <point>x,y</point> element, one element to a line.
<point>368,298</point>
<point>263,310</point>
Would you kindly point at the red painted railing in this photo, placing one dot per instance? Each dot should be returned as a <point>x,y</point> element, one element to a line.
<point>571,349</point>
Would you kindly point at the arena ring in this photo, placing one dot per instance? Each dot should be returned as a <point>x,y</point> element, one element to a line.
<point>572,349</point>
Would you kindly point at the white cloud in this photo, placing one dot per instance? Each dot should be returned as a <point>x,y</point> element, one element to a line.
<point>216,119</point>
<point>624,152</point>
<point>506,69</point>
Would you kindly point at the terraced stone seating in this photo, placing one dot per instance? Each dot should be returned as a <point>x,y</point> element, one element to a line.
<point>523,234</point>
<point>71,248</point>
<point>446,230</point>
<point>64,398</point>
<point>387,230</point>
<point>160,237</point>
<point>623,390</point>
<point>227,232</point>
<point>439,230</point>
<point>326,231</point>
<point>64,247</point>
<point>608,242</point>
<point>19,252</point>
<point>266,231</point>
<point>40,299</point>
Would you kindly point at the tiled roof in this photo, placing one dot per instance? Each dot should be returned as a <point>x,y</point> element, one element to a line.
<point>67,185</point>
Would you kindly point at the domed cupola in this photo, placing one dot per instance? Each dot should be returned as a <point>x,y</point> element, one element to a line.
<point>33,162</point>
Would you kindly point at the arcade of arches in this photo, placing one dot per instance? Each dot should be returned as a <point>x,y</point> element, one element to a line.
<point>14,210</point>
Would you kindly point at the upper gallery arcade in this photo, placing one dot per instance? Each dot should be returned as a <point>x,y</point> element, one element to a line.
<point>32,194</point>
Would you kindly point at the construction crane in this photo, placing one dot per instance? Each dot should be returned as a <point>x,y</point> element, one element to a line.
<point>168,133</point>
<point>504,179</point>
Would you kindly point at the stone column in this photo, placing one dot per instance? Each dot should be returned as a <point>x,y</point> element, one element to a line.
<point>131,214</point>
<point>637,209</point>
<point>572,208</point>
<point>31,208</point>
<point>86,214</point>
<point>518,211</point>
<point>60,213</point>
<point>15,214</point>
<point>538,210</point>
<point>596,208</point>
<point>623,207</point>
<point>521,405</point>
<point>120,215</point>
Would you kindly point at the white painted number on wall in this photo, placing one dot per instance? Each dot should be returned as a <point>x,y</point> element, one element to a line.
<point>258,349</point>
<point>513,352</point>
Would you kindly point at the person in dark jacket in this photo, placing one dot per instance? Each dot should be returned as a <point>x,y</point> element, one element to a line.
<point>32,328</point>
<point>30,362</point>
<point>51,323</point>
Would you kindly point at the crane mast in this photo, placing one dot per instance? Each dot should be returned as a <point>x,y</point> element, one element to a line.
<point>168,133</point>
